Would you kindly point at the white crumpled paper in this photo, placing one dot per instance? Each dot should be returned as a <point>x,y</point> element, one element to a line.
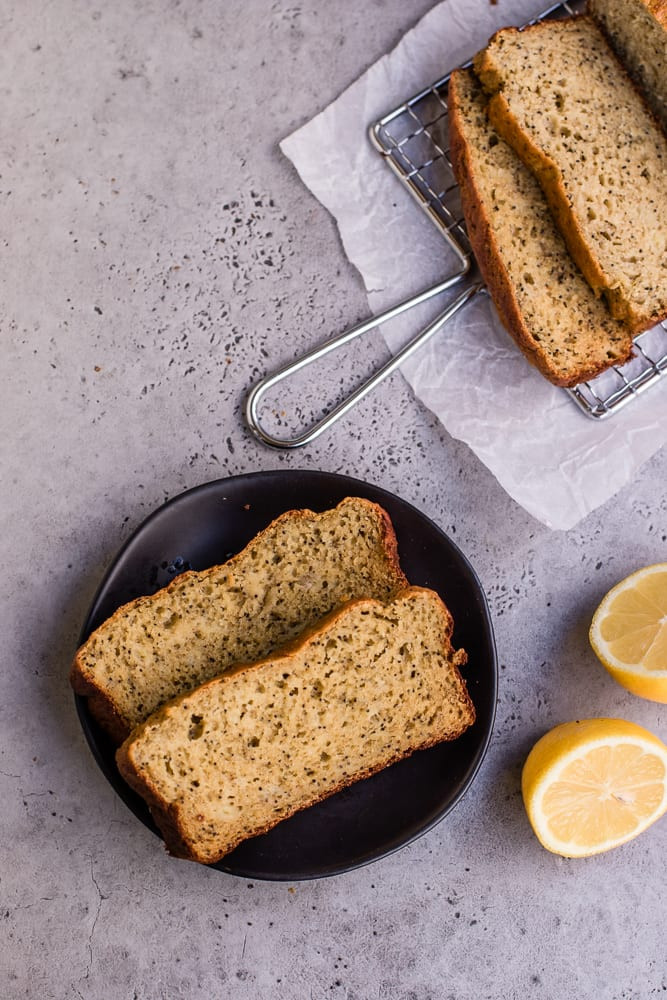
<point>555,461</point>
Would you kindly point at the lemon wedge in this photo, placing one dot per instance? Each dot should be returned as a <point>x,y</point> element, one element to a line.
<point>591,785</point>
<point>628,632</point>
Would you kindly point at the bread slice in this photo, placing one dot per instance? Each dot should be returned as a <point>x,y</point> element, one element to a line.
<point>540,294</point>
<point>368,686</point>
<point>562,100</point>
<point>637,30</point>
<point>298,569</point>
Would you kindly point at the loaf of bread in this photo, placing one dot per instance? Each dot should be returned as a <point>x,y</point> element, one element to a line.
<point>366,687</point>
<point>637,30</point>
<point>562,100</point>
<point>540,294</point>
<point>298,569</point>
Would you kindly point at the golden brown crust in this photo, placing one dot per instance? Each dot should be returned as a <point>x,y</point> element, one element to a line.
<point>106,711</point>
<point>658,8</point>
<point>100,706</point>
<point>489,257</point>
<point>179,840</point>
<point>390,542</point>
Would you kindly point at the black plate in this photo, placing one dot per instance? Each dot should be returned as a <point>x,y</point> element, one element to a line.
<point>207,525</point>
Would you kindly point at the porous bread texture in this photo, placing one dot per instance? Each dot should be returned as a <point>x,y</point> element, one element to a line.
<point>368,686</point>
<point>298,569</point>
<point>637,31</point>
<point>562,100</point>
<point>541,296</point>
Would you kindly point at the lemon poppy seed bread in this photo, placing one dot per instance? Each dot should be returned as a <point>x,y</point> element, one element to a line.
<point>540,294</point>
<point>562,100</point>
<point>369,685</point>
<point>298,569</point>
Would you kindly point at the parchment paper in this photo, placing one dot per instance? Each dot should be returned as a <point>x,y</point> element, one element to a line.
<point>552,459</point>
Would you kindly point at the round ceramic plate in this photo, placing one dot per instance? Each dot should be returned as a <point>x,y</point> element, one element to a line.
<point>374,817</point>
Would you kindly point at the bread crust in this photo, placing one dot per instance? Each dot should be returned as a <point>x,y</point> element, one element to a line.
<point>551,181</point>
<point>102,708</point>
<point>179,840</point>
<point>105,709</point>
<point>490,261</point>
<point>658,8</point>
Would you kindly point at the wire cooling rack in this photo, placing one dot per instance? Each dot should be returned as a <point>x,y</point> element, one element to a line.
<point>413,140</point>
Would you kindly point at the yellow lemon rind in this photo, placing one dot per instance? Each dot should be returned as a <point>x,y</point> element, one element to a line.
<point>652,688</point>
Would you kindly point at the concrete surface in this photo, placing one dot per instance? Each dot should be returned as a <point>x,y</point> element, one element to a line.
<point>158,254</point>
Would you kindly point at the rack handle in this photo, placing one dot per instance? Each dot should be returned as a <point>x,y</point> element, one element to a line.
<point>266,383</point>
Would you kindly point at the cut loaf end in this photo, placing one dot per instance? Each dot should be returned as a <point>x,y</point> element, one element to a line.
<point>369,685</point>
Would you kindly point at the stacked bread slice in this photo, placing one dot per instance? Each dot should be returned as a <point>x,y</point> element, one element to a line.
<point>254,689</point>
<point>364,688</point>
<point>301,567</point>
<point>563,175</point>
<point>540,294</point>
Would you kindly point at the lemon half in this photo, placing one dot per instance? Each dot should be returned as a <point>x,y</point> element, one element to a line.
<point>628,632</point>
<point>591,785</point>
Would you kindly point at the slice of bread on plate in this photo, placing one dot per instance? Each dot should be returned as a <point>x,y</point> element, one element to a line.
<point>561,98</point>
<point>303,565</point>
<point>637,30</point>
<point>369,685</point>
<point>541,296</point>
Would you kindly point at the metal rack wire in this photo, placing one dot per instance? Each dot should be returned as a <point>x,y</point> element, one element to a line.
<point>413,141</point>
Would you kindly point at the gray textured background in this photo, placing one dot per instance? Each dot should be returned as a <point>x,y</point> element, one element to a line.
<point>158,253</point>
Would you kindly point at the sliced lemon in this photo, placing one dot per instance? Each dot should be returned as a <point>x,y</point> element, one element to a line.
<point>629,632</point>
<point>593,784</point>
